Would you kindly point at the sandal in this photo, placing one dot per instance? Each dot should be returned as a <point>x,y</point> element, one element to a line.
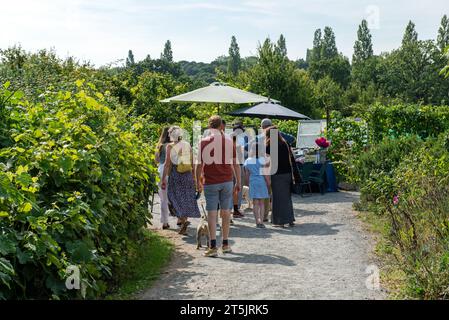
<point>183,230</point>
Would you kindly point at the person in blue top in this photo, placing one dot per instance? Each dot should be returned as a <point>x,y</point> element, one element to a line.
<point>259,183</point>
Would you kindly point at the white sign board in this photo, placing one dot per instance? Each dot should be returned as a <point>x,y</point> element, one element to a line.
<point>308,132</point>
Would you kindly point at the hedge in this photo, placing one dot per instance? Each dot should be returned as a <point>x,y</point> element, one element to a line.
<point>75,179</point>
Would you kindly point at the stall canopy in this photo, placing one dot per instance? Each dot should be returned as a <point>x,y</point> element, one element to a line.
<point>269,109</point>
<point>218,92</point>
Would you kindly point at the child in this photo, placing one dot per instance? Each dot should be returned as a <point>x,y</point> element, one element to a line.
<point>258,184</point>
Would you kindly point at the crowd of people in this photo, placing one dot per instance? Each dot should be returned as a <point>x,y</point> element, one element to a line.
<point>223,165</point>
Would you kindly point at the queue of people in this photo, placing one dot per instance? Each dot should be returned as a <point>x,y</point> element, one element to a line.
<point>224,164</point>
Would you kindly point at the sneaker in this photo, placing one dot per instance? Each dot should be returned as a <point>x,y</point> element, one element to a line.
<point>226,249</point>
<point>211,252</point>
<point>238,214</point>
<point>262,226</point>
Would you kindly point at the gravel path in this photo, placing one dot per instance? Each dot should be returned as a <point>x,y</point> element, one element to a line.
<point>324,257</point>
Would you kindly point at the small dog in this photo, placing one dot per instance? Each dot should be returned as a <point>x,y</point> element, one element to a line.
<point>245,195</point>
<point>202,230</point>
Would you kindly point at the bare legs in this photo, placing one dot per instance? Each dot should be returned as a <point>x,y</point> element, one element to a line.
<point>259,210</point>
<point>225,220</point>
<point>212,222</point>
<point>212,217</point>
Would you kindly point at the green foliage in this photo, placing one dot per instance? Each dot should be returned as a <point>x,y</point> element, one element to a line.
<point>419,218</point>
<point>402,169</point>
<point>287,126</point>
<point>445,70</point>
<point>130,59</point>
<point>410,34</point>
<point>379,125</point>
<point>276,77</point>
<point>167,54</point>
<point>412,74</point>
<point>365,73</point>
<point>314,54</point>
<point>324,59</point>
<point>443,33</point>
<point>235,62</point>
<point>349,138</point>
<point>337,67</point>
<point>146,259</point>
<point>74,191</point>
<point>363,47</point>
<point>328,94</point>
<point>281,46</point>
<point>374,167</point>
<point>328,45</point>
<point>400,120</point>
<point>150,89</point>
<point>76,160</point>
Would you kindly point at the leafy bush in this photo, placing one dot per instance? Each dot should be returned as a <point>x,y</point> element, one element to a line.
<point>150,89</point>
<point>374,168</point>
<point>74,186</point>
<point>400,120</point>
<point>349,137</point>
<point>418,209</point>
<point>287,126</point>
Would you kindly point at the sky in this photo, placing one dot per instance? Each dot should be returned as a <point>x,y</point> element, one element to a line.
<point>102,31</point>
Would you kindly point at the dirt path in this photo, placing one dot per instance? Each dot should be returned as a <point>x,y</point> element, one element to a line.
<point>324,257</point>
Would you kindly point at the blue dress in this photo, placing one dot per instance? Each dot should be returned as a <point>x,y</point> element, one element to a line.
<point>257,185</point>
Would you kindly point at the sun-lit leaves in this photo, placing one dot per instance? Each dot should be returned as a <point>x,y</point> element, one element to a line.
<point>74,187</point>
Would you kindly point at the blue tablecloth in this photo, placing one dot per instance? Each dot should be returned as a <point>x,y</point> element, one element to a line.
<point>331,180</point>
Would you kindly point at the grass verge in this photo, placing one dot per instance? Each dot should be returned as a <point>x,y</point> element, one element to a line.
<point>146,260</point>
<point>392,278</point>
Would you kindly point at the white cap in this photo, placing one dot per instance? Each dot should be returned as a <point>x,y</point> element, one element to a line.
<point>266,123</point>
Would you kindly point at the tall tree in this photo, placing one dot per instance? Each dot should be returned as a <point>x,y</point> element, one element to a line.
<point>167,54</point>
<point>130,59</point>
<point>328,93</point>
<point>324,59</point>
<point>315,54</point>
<point>235,61</point>
<point>282,46</point>
<point>276,77</point>
<point>363,47</point>
<point>412,73</point>
<point>443,33</point>
<point>328,45</point>
<point>410,35</point>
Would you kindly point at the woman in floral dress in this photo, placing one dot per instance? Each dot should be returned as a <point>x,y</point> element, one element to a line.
<point>181,188</point>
